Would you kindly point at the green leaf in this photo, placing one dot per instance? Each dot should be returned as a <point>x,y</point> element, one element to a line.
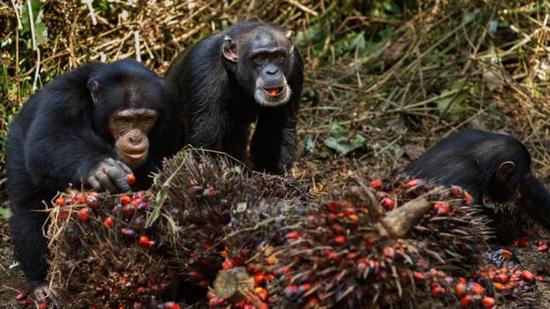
<point>337,129</point>
<point>339,145</point>
<point>5,212</point>
<point>309,144</point>
<point>343,145</point>
<point>41,32</point>
<point>357,141</point>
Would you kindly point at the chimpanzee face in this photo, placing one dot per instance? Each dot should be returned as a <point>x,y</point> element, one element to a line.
<point>130,113</point>
<point>263,61</point>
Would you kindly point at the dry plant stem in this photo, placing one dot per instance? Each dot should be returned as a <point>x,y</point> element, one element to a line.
<point>234,283</point>
<point>399,221</point>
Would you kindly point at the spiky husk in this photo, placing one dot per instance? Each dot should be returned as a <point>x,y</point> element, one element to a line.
<point>99,257</point>
<point>185,217</point>
<point>203,194</point>
<point>350,251</point>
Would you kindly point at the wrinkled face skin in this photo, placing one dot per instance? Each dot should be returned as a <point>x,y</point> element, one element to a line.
<point>129,128</point>
<point>263,60</point>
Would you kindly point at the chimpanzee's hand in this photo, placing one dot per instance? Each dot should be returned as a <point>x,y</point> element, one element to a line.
<point>110,175</point>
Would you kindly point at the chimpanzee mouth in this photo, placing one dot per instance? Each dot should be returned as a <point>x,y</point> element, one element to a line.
<point>133,154</point>
<point>273,92</point>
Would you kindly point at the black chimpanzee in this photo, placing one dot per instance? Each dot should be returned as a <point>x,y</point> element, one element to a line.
<point>89,128</point>
<point>248,73</point>
<point>488,165</point>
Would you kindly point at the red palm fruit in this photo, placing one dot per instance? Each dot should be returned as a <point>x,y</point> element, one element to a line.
<point>131,179</point>
<point>466,301</point>
<point>376,183</point>
<point>108,222</point>
<point>442,208</point>
<point>488,302</point>
<point>413,183</point>
<point>42,305</point>
<point>501,287</point>
<point>259,278</point>
<point>468,198</point>
<point>262,293</point>
<point>456,191</point>
<point>527,276</point>
<point>337,229</point>
<point>125,199</point>
<point>145,242</point>
<point>227,264</point>
<point>333,207</point>
<point>20,297</point>
<point>419,276</point>
<point>293,235</point>
<point>502,278</point>
<point>60,201</point>
<point>507,254</point>
<point>542,247</point>
<point>460,289</point>
<point>437,289</point>
<point>353,218</point>
<point>340,240</point>
<point>84,214</point>
<point>476,288</point>
<point>388,203</point>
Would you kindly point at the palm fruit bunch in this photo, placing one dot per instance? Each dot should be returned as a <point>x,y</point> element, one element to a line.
<point>136,249</point>
<point>102,254</point>
<point>400,243</point>
<point>454,223</point>
<point>198,192</point>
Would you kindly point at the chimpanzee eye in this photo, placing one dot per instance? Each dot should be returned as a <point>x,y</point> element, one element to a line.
<point>259,59</point>
<point>280,58</point>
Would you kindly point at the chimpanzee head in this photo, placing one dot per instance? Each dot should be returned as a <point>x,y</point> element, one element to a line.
<point>129,102</point>
<point>261,59</point>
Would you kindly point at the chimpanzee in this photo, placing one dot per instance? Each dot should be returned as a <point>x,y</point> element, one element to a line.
<point>88,128</point>
<point>251,72</point>
<point>487,165</point>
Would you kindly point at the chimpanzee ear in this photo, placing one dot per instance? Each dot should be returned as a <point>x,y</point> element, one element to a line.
<point>93,85</point>
<point>505,171</point>
<point>229,49</point>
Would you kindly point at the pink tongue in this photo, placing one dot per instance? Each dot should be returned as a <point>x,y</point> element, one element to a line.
<point>274,91</point>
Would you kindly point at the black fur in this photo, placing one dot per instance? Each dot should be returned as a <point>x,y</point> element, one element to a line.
<point>219,103</point>
<point>470,159</point>
<point>59,136</point>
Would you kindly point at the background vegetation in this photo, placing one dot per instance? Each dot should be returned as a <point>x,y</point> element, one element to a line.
<point>384,79</point>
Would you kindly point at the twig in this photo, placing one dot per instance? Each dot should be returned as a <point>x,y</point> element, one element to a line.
<point>137,46</point>
<point>302,7</point>
<point>31,22</point>
<point>92,13</point>
<point>19,24</point>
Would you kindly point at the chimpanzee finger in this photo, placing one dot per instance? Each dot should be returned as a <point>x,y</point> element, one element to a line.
<point>119,177</point>
<point>92,181</point>
<point>106,182</point>
<point>124,167</point>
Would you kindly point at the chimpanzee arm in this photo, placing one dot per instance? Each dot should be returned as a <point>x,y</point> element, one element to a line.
<point>205,109</point>
<point>61,150</point>
<point>274,142</point>
<point>536,199</point>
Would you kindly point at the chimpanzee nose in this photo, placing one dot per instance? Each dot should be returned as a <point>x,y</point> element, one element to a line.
<point>136,139</point>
